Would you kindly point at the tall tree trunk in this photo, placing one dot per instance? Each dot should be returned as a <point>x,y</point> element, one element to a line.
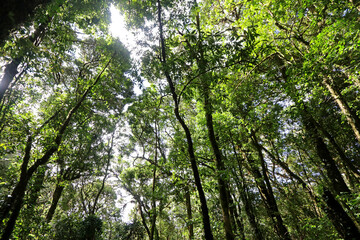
<point>347,162</point>
<point>31,203</point>
<point>11,69</point>
<point>249,209</point>
<point>337,215</point>
<point>191,151</point>
<point>222,185</point>
<point>189,213</point>
<point>153,208</point>
<point>264,186</point>
<point>10,201</point>
<point>334,177</point>
<point>340,219</point>
<point>313,127</point>
<point>242,188</point>
<point>236,219</point>
<point>55,199</point>
<point>350,115</point>
<point>15,211</point>
<point>327,81</point>
<point>37,186</point>
<point>143,219</point>
<point>9,74</point>
<point>293,175</point>
<point>153,200</point>
<point>338,184</point>
<point>65,175</point>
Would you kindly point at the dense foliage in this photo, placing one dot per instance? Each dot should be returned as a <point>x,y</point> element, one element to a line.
<point>248,126</point>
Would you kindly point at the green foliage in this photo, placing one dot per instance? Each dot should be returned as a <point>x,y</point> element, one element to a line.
<point>277,81</point>
<point>72,228</point>
<point>130,231</point>
<point>68,228</point>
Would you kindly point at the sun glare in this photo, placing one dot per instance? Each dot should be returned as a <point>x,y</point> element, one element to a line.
<point>118,29</point>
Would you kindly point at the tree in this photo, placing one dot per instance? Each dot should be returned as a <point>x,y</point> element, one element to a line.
<point>14,203</point>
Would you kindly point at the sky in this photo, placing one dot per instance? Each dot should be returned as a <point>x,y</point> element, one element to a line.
<point>118,29</point>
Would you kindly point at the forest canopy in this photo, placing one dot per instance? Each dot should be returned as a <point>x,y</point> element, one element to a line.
<point>221,120</point>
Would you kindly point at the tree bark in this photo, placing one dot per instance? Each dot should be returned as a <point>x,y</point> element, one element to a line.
<point>11,69</point>
<point>340,219</point>
<point>9,74</point>
<point>242,188</point>
<point>37,186</point>
<point>293,175</point>
<point>189,213</point>
<point>143,219</point>
<point>221,170</point>
<point>15,211</point>
<point>31,203</point>
<point>65,175</point>
<point>194,167</point>
<point>10,201</point>
<point>264,186</point>
<point>350,115</point>
<point>337,215</point>
<point>347,162</point>
<point>236,219</point>
<point>338,184</point>
<point>55,200</point>
<point>222,185</point>
<point>153,200</point>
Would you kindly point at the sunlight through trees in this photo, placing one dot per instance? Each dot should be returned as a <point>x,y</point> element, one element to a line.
<point>153,119</point>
